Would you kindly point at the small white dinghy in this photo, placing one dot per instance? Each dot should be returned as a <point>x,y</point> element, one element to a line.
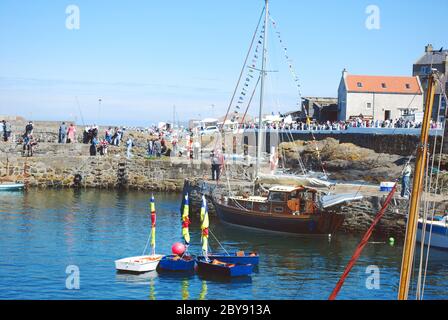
<point>143,263</point>
<point>139,263</point>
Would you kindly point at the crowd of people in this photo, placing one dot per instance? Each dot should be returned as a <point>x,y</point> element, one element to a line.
<point>344,125</point>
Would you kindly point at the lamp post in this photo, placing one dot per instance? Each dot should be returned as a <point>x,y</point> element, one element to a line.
<point>99,110</point>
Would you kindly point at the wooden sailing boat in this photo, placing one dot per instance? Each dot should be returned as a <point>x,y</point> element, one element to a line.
<point>290,209</point>
<point>143,263</point>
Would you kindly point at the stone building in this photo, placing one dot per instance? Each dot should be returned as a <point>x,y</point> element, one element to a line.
<point>321,108</point>
<point>378,97</point>
<point>433,59</point>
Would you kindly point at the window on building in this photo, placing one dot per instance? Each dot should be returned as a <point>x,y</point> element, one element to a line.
<point>359,84</point>
<point>405,112</point>
<point>408,86</point>
<point>369,105</point>
<point>383,85</point>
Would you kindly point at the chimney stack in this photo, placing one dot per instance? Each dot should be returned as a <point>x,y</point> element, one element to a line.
<point>428,48</point>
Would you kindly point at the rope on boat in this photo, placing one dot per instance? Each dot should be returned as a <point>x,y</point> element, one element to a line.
<point>218,242</point>
<point>422,282</point>
<point>146,246</point>
<point>362,244</point>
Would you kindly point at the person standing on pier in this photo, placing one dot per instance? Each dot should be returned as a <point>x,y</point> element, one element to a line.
<point>29,128</point>
<point>215,165</point>
<point>62,133</point>
<point>157,148</point>
<point>6,130</point>
<point>71,131</point>
<point>129,145</point>
<point>93,146</point>
<point>405,181</point>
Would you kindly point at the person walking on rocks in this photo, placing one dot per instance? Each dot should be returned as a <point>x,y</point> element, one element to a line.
<point>129,145</point>
<point>71,131</point>
<point>29,128</point>
<point>6,130</point>
<point>158,148</point>
<point>28,145</point>
<point>93,146</point>
<point>150,148</point>
<point>405,181</point>
<point>62,133</point>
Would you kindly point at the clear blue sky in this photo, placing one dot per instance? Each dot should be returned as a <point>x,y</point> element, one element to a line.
<point>144,56</point>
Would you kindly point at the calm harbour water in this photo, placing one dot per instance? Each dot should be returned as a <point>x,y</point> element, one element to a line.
<point>43,232</point>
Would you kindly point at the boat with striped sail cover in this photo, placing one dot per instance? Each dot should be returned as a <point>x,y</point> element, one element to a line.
<point>207,264</point>
<point>143,263</point>
<point>184,262</point>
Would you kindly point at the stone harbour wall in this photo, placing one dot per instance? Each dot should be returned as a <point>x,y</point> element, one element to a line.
<point>101,172</point>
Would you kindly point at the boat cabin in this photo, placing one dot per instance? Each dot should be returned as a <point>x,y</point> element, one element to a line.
<point>280,200</point>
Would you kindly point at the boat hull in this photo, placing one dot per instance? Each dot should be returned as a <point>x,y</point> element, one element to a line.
<point>138,264</point>
<point>439,234</point>
<point>168,263</point>
<point>12,187</point>
<point>253,260</point>
<point>238,270</point>
<point>315,224</point>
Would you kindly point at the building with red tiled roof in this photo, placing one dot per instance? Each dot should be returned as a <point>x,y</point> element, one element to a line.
<point>378,97</point>
<point>434,59</point>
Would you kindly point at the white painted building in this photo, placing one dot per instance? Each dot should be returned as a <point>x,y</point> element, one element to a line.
<point>378,97</point>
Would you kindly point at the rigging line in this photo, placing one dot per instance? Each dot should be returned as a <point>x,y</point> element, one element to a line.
<point>80,112</point>
<point>146,246</point>
<point>241,72</point>
<point>218,242</point>
<point>296,79</point>
<point>423,232</point>
<point>244,65</point>
<point>435,188</point>
<point>250,101</point>
<point>301,164</point>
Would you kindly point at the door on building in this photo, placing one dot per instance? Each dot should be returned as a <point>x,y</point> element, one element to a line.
<point>387,115</point>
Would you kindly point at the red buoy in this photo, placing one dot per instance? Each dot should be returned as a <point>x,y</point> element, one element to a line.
<point>178,248</point>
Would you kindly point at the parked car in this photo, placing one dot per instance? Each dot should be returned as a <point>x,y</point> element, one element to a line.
<point>210,130</point>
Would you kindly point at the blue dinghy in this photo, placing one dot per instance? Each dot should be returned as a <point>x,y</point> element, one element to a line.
<point>177,264</point>
<point>237,258</point>
<point>218,268</point>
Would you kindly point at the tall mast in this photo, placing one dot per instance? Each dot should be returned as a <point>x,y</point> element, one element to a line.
<point>263,74</point>
<point>417,187</point>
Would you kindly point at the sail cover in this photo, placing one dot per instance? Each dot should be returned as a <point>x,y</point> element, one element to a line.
<point>153,224</point>
<point>186,221</point>
<point>294,180</point>
<point>204,226</point>
<point>328,201</point>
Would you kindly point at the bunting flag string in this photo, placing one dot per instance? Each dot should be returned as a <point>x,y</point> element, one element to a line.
<point>249,77</point>
<point>299,90</point>
<point>288,60</point>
